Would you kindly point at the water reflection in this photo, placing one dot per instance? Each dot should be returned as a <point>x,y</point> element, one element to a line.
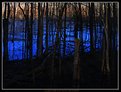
<point>17,47</point>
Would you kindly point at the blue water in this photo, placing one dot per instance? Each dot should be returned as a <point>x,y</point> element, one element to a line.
<point>17,47</point>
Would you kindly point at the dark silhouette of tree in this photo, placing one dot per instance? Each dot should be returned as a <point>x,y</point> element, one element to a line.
<point>105,59</point>
<point>76,22</point>
<point>31,32</point>
<point>114,24</point>
<point>46,39</point>
<point>5,31</point>
<point>14,21</point>
<point>64,41</point>
<point>91,22</point>
<point>81,27</point>
<point>26,16</point>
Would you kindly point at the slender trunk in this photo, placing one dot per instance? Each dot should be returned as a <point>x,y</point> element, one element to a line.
<point>76,72</point>
<point>42,28</point>
<point>105,64</point>
<point>53,24</point>
<point>46,28</point>
<point>27,31</point>
<point>81,27</point>
<point>5,31</point>
<point>109,30</point>
<point>39,28</point>
<point>100,22</point>
<point>59,34</point>
<point>64,43</point>
<point>115,24</point>
<point>95,26</point>
<point>13,28</point>
<point>91,17</point>
<point>76,23</point>
<point>52,66</point>
<point>14,21</point>
<point>31,32</point>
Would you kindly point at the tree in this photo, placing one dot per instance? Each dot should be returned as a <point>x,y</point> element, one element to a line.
<point>91,22</point>
<point>5,31</point>
<point>105,60</point>
<point>64,41</point>
<point>26,16</point>
<point>14,21</point>
<point>76,71</point>
<point>31,32</point>
<point>75,22</point>
<point>114,25</point>
<point>46,28</point>
<point>109,30</point>
<point>81,27</point>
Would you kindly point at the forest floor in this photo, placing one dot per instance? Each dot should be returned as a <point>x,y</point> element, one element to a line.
<point>42,74</point>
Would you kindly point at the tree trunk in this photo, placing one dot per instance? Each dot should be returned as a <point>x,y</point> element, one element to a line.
<point>27,31</point>
<point>46,28</point>
<point>39,35</point>
<point>115,25</point>
<point>76,23</point>
<point>5,31</point>
<point>76,72</point>
<point>109,30</point>
<point>14,21</point>
<point>14,10</point>
<point>31,33</point>
<point>64,41</point>
<point>81,27</point>
<point>105,63</point>
<point>91,17</point>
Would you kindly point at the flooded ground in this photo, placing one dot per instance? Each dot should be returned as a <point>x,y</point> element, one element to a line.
<point>17,47</point>
<point>41,74</point>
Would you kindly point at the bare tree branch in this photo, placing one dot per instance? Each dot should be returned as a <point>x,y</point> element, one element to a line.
<point>22,10</point>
